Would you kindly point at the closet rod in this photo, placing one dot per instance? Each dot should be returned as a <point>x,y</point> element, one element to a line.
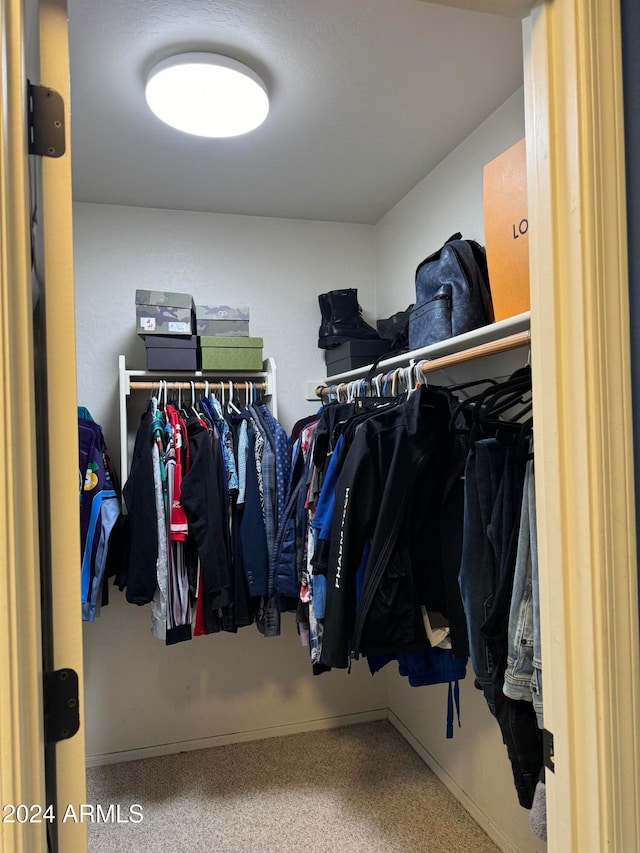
<point>520,339</point>
<point>199,386</point>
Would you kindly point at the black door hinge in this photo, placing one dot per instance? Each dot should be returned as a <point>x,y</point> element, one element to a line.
<point>548,756</point>
<point>46,121</point>
<point>61,705</point>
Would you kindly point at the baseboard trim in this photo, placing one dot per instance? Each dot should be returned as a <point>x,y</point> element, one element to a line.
<point>236,737</point>
<point>480,817</point>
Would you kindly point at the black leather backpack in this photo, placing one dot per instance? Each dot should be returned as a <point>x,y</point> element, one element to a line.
<point>452,293</point>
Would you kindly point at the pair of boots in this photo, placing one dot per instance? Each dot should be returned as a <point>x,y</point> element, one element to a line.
<point>342,319</point>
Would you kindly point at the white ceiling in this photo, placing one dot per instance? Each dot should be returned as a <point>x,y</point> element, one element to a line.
<point>367,96</point>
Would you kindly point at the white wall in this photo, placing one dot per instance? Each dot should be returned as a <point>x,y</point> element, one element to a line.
<point>474,764</point>
<point>449,199</point>
<point>276,266</point>
<point>138,693</point>
<point>143,695</point>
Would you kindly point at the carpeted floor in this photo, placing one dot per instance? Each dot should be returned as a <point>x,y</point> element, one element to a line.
<point>357,789</point>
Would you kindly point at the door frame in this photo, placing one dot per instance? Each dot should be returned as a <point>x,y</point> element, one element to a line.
<point>21,733</point>
<point>22,770</point>
<point>62,423</point>
<point>582,397</point>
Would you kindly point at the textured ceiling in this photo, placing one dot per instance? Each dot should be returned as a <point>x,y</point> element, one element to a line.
<point>367,96</point>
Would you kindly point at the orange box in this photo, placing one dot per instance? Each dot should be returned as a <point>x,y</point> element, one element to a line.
<point>506,231</point>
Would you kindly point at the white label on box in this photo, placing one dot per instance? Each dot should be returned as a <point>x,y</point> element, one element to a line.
<point>179,327</point>
<point>148,323</point>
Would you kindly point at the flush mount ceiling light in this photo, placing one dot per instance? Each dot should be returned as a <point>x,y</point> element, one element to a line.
<point>207,95</point>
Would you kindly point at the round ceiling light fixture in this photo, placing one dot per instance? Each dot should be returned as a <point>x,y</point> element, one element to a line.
<point>207,95</point>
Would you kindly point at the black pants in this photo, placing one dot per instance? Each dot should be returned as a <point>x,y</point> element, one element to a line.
<point>498,479</point>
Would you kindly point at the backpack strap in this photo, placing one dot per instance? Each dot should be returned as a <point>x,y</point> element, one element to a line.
<point>480,257</point>
<point>436,255</point>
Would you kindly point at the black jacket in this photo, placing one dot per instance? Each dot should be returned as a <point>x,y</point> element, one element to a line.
<point>140,576</point>
<point>203,497</point>
<point>402,470</point>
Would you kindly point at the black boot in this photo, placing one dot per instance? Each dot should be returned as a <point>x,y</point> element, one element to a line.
<point>344,319</point>
<point>325,311</point>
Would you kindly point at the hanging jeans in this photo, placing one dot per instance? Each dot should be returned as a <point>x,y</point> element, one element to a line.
<point>478,575</point>
<point>493,494</point>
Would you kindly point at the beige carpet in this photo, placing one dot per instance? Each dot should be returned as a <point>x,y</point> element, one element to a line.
<point>358,789</point>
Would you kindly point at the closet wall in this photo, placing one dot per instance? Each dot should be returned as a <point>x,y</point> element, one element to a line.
<point>449,199</point>
<point>140,694</point>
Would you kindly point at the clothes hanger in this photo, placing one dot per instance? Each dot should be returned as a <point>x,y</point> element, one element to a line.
<point>479,418</point>
<point>472,383</point>
<point>194,411</point>
<point>512,396</point>
<point>504,395</point>
<point>394,383</point>
<point>420,376</point>
<point>407,379</point>
<point>400,381</point>
<point>231,406</point>
<point>399,385</point>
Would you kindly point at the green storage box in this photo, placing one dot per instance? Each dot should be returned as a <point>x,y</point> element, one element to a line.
<point>220,353</point>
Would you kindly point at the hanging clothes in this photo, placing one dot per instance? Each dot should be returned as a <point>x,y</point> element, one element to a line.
<point>158,451</point>
<point>139,572</point>
<point>203,487</point>
<point>523,675</point>
<point>393,485</point>
<point>495,476</point>
<point>350,452</point>
<point>99,512</point>
<point>204,501</point>
<point>417,511</point>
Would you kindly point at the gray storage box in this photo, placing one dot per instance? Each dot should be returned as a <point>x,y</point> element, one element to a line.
<point>353,354</point>
<point>161,312</point>
<point>166,352</point>
<point>222,321</point>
